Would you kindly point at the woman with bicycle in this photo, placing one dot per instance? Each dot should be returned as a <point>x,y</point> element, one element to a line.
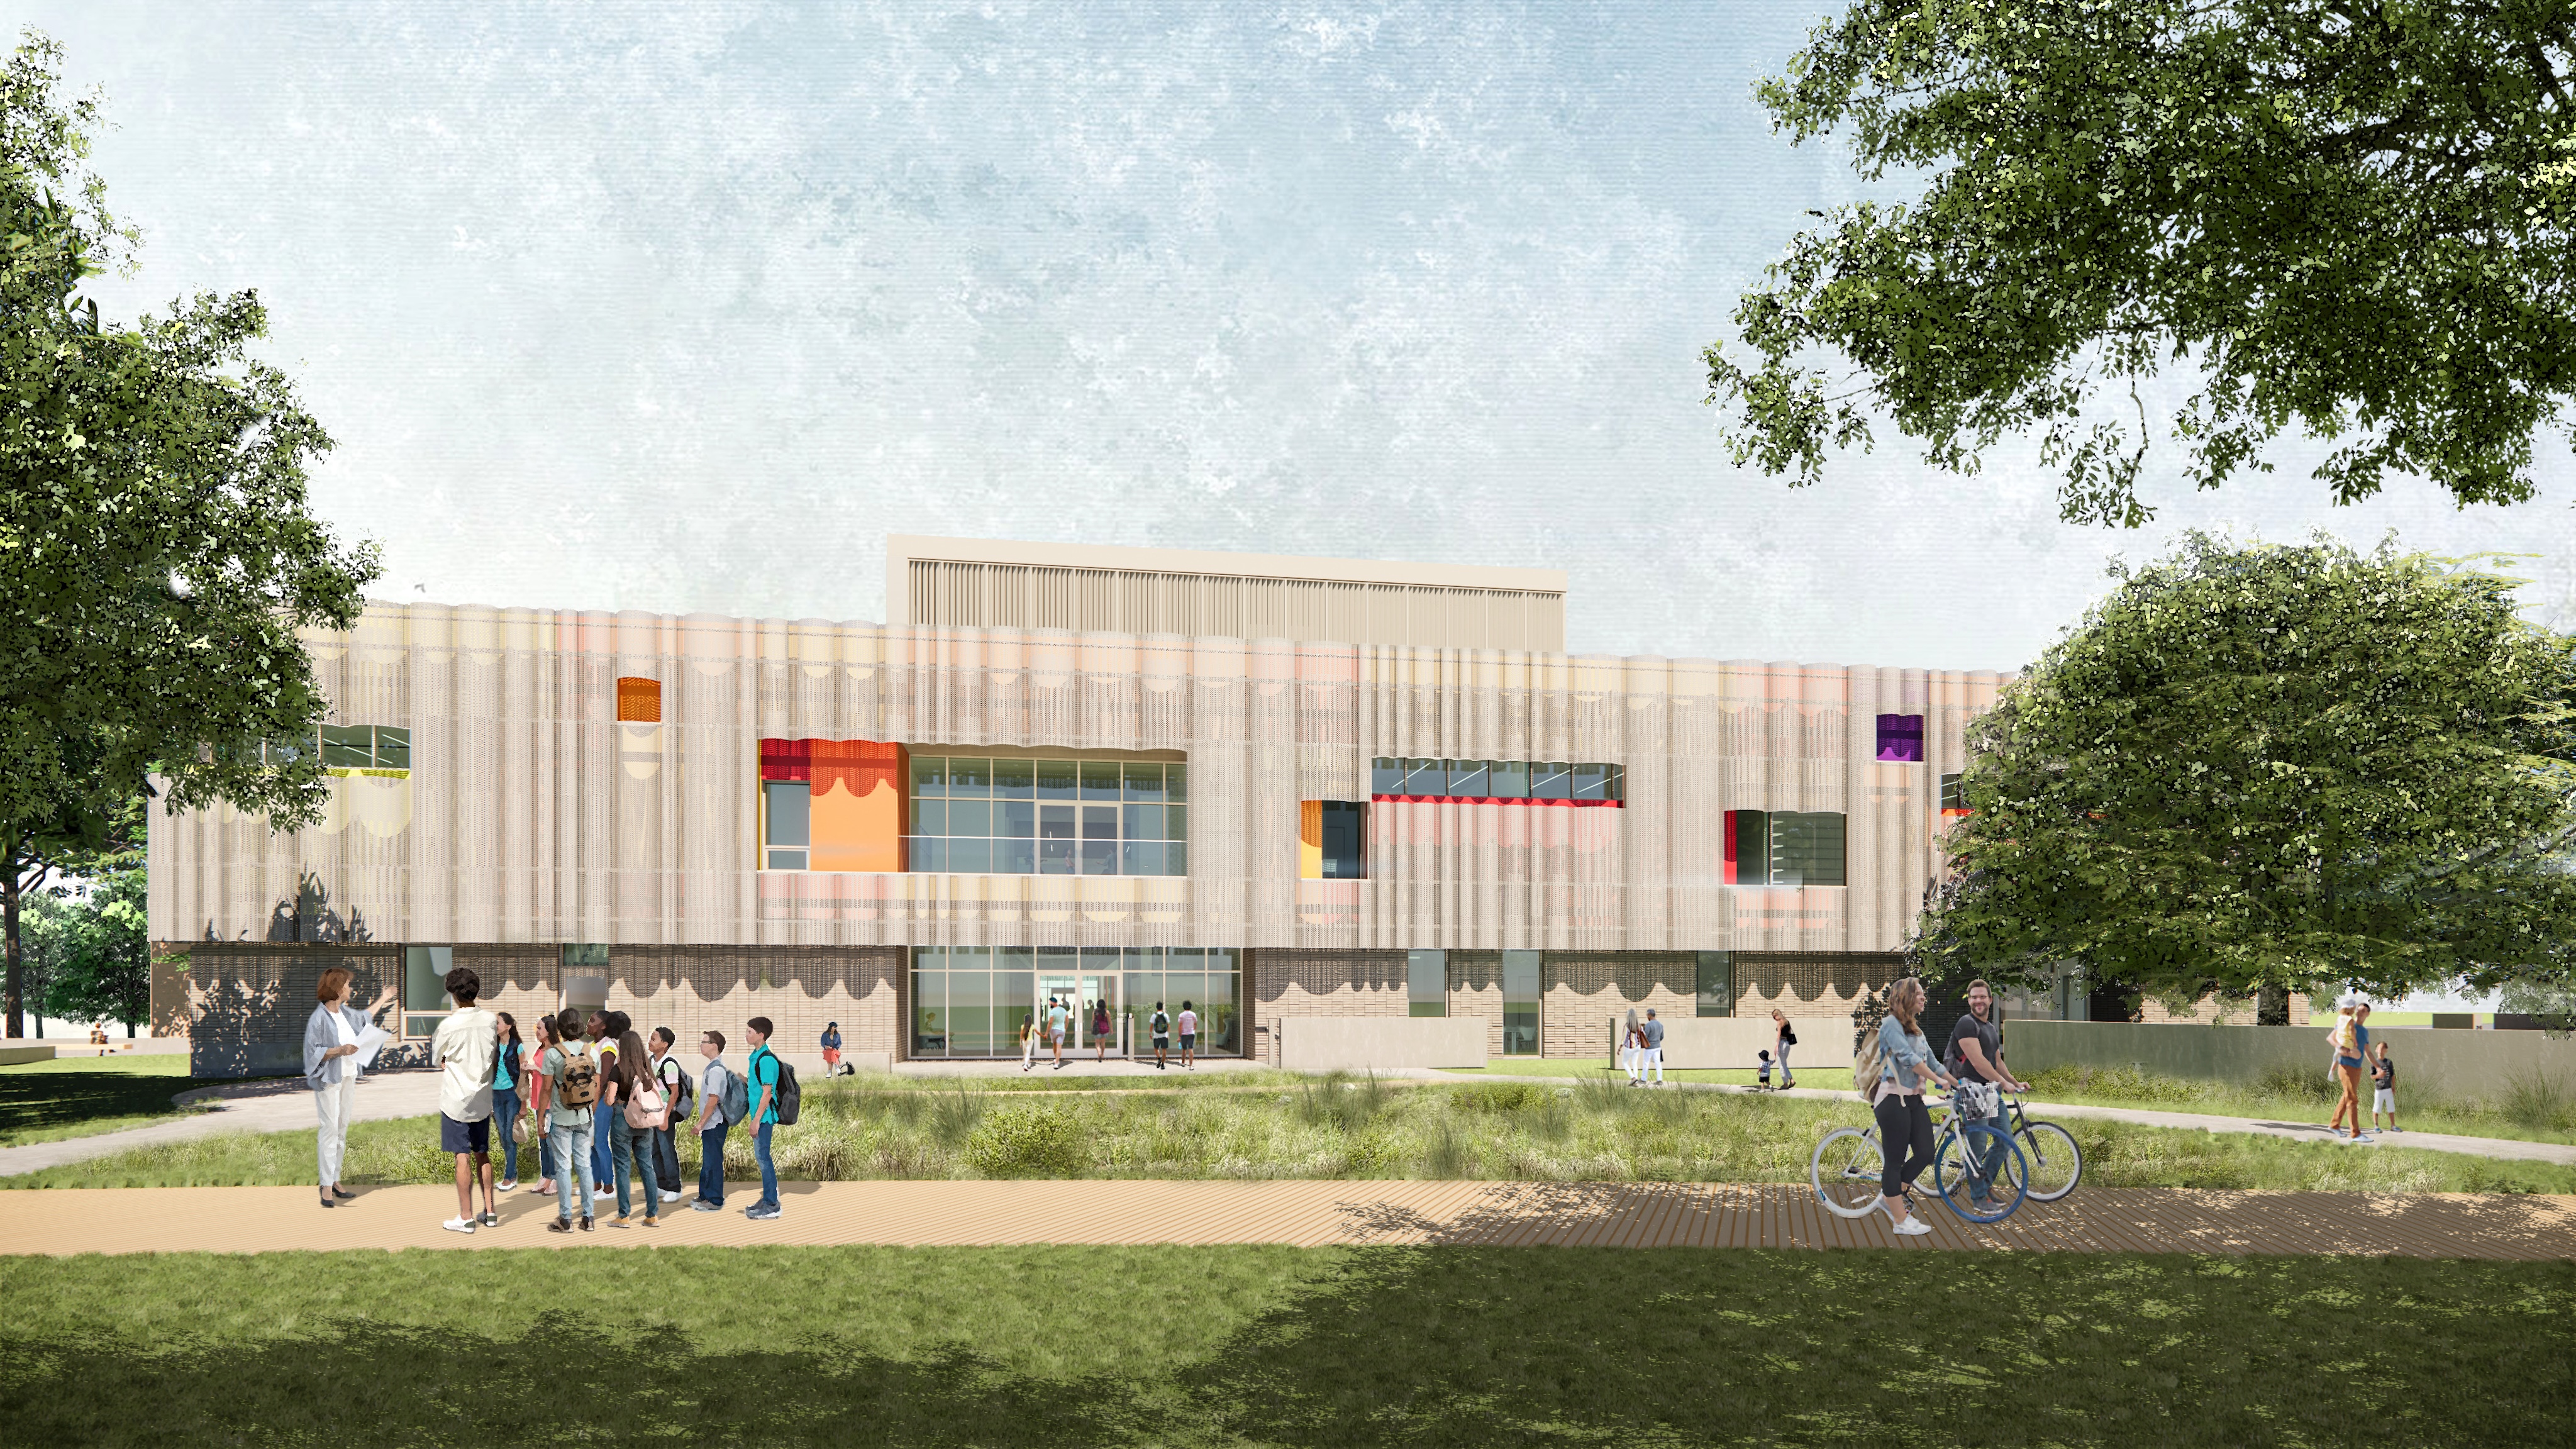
<point>1896,1100</point>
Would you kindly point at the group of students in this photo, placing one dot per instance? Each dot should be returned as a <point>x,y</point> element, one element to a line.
<point>2354,1053</point>
<point>606,1103</point>
<point>1058,1022</point>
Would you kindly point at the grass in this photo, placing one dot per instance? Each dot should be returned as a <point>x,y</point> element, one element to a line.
<point>1424,1347</point>
<point>1590,1069</point>
<point>84,1096</point>
<point>862,1128</point>
<point>2537,1109</point>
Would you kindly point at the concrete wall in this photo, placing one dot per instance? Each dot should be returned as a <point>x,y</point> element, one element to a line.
<point>1324,1043</point>
<point>2447,1064</point>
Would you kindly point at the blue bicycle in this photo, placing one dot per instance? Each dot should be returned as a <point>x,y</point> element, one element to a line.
<point>1977,1168</point>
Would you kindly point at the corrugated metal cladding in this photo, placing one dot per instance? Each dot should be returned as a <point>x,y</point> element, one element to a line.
<point>1127,601</point>
<point>530,812</point>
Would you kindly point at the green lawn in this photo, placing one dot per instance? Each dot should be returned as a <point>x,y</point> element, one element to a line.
<point>1258,1345</point>
<point>2542,1110</point>
<point>859,1128</point>
<point>84,1096</point>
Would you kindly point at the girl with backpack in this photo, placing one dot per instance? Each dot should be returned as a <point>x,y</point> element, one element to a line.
<point>567,1093</point>
<point>1890,1073</point>
<point>636,1111</point>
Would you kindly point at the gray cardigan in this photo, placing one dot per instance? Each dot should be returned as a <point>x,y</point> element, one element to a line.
<point>319,1037</point>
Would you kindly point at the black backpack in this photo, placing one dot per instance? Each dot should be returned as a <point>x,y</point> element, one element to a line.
<point>785,1099</point>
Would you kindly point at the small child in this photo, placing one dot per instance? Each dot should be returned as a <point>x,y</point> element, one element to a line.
<point>2383,1096</point>
<point>1762,1079</point>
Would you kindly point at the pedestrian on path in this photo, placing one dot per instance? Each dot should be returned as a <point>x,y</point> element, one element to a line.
<point>673,1078</point>
<point>1632,1040</point>
<point>1099,1031</point>
<point>762,1086</point>
<point>1161,1027</point>
<point>1896,1062</point>
<point>566,1095</point>
<point>2383,1093</point>
<point>831,1049</point>
<point>1762,1078</point>
<point>330,1038</point>
<point>2352,1049</point>
<point>1189,1037</point>
<point>508,1072</point>
<point>714,1090</point>
<point>546,1039</point>
<point>466,1050</point>
<point>1650,1055</point>
<point>1781,1041</point>
<point>1976,1054</point>
<point>1058,1018</point>
<point>634,1108</point>
<point>1028,1042</point>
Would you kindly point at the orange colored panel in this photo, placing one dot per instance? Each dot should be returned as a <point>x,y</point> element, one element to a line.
<point>858,805</point>
<point>1310,839</point>
<point>639,701</point>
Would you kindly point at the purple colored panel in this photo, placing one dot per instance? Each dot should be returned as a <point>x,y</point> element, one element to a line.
<point>1900,737</point>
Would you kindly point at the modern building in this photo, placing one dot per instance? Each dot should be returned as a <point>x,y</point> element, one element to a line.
<point>1274,788</point>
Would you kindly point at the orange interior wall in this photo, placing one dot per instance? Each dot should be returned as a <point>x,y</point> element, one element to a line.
<point>1310,839</point>
<point>858,805</point>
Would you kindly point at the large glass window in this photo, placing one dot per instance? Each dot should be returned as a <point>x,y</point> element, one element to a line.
<point>1426,981</point>
<point>1717,983</point>
<point>971,1001</point>
<point>1592,783</point>
<point>1345,824</point>
<point>1784,848</point>
<point>424,992</point>
<point>786,829</point>
<point>1048,817</point>
<point>1520,1003</point>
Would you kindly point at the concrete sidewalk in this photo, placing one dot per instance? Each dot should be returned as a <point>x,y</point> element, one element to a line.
<point>1308,1214</point>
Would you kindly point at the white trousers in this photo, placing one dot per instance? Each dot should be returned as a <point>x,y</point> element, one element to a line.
<point>332,1107</point>
<point>1628,1060</point>
<point>1650,1059</point>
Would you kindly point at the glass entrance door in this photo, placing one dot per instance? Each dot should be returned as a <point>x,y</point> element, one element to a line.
<point>1081,993</point>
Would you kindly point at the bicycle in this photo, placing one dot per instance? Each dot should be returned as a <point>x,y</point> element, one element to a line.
<point>2056,1164</point>
<point>1977,1169</point>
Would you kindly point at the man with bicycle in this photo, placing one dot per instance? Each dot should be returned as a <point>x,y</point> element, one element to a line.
<point>1976,1054</point>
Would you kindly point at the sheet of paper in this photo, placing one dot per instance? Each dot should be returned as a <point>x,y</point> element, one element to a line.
<point>368,1040</point>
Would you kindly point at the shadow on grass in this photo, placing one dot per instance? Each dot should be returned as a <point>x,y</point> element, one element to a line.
<point>1424,1347</point>
<point>49,1101</point>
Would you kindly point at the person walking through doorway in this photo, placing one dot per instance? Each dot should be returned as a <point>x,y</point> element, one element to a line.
<point>1028,1042</point>
<point>1058,1018</point>
<point>1100,1031</point>
<point>1161,1027</point>
<point>1189,1037</point>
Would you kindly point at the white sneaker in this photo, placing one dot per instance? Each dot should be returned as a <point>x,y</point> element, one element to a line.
<point>458,1225</point>
<point>1911,1228</point>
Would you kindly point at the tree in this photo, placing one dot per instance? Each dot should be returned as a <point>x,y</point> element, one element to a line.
<point>156,553</point>
<point>104,970</point>
<point>2256,768</point>
<point>2350,217</point>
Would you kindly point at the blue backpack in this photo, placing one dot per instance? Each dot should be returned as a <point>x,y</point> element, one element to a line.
<point>736,1100</point>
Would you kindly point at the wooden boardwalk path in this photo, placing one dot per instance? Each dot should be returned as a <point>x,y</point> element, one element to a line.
<point>1311,1214</point>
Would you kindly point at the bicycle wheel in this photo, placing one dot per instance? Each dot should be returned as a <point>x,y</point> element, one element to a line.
<point>1979,1172</point>
<point>2054,1160</point>
<point>1845,1172</point>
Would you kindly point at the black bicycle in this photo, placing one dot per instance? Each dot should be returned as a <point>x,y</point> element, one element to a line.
<point>2054,1162</point>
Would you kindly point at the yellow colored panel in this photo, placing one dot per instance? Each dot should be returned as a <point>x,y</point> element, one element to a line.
<point>1310,839</point>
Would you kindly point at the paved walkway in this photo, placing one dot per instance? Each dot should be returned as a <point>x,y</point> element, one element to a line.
<point>1311,1214</point>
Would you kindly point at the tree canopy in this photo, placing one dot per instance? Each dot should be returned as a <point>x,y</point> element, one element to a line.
<point>157,555</point>
<point>2268,766</point>
<point>2348,218</point>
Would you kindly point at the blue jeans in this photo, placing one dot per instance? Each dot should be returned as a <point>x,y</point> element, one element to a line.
<point>1988,1163</point>
<point>545,1152</point>
<point>600,1165</point>
<point>623,1142</point>
<point>505,1111</point>
<point>768,1169</point>
<point>572,1164</point>
<point>711,1165</point>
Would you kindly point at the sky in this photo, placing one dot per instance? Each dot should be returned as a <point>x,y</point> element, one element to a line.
<point>684,308</point>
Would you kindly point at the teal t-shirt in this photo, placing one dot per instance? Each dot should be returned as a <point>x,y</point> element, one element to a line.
<point>502,1081</point>
<point>764,1073</point>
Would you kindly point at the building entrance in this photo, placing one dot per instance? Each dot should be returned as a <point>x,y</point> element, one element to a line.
<point>969,1001</point>
<point>1083,996</point>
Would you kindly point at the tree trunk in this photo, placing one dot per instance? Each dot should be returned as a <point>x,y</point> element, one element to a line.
<point>2272,1006</point>
<point>9,928</point>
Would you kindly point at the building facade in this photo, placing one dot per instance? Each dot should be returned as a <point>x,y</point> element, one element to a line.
<point>924,831</point>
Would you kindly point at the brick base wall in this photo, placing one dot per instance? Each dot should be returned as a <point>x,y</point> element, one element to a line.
<point>1583,992</point>
<point>247,1004</point>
